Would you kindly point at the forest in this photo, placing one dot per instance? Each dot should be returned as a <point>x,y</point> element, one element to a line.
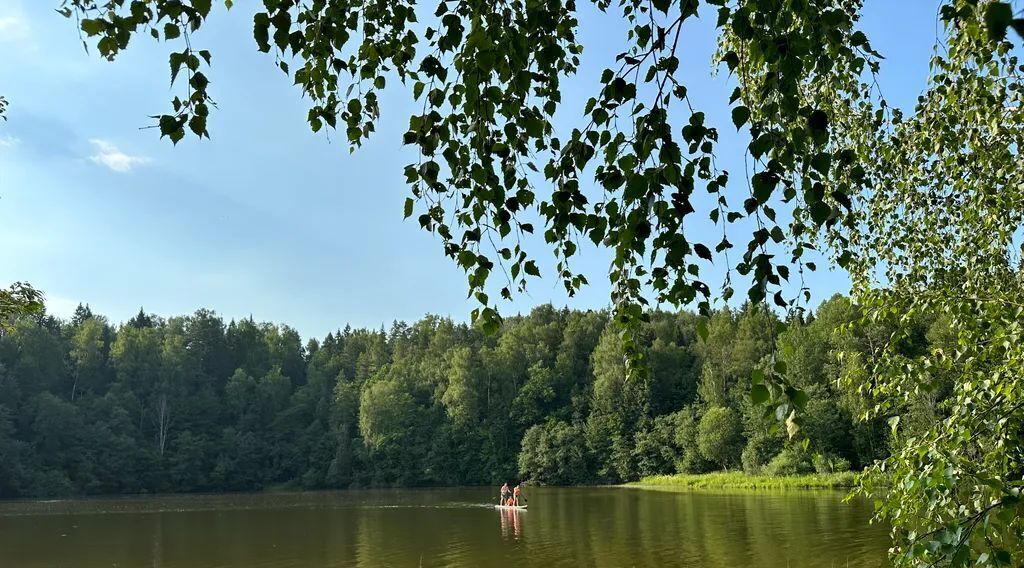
<point>192,403</point>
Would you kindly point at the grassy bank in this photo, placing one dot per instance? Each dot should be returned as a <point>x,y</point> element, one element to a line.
<point>739,480</point>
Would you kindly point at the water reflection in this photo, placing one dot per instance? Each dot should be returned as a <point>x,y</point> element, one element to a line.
<point>598,527</point>
<point>510,524</point>
<point>158,542</point>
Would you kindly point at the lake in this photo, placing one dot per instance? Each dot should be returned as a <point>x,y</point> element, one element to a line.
<point>595,526</point>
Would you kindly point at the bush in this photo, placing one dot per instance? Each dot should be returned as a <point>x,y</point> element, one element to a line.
<point>720,437</point>
<point>691,461</point>
<point>789,462</point>
<point>760,449</point>
<point>50,483</point>
<point>828,463</point>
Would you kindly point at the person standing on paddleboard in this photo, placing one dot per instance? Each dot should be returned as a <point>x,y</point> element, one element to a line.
<point>505,493</point>
<point>515,495</point>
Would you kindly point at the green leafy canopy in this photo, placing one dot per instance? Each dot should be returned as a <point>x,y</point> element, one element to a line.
<point>18,299</point>
<point>488,78</point>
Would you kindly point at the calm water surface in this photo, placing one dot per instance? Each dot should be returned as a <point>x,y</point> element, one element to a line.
<point>610,527</point>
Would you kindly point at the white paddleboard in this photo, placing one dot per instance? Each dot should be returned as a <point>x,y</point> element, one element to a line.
<point>519,507</point>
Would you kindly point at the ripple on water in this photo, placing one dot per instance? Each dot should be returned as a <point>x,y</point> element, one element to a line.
<point>599,527</point>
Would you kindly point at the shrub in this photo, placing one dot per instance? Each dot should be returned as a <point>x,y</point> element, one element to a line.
<point>828,463</point>
<point>50,483</point>
<point>759,450</point>
<point>790,461</point>
<point>720,437</point>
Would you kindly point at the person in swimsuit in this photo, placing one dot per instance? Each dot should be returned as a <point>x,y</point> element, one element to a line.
<point>505,494</point>
<point>515,495</point>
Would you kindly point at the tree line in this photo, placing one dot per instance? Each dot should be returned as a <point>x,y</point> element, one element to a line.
<point>196,404</point>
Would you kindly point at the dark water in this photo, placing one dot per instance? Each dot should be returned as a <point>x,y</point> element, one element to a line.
<point>444,527</point>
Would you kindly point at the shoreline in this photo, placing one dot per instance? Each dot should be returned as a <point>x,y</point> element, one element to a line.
<point>713,480</point>
<point>740,480</point>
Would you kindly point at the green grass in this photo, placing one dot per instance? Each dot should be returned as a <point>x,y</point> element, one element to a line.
<point>739,480</point>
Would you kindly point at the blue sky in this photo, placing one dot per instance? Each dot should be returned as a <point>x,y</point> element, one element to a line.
<point>268,219</point>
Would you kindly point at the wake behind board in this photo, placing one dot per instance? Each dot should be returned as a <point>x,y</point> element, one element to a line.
<point>513,507</point>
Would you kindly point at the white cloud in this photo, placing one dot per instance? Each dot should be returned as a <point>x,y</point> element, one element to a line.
<point>14,28</point>
<point>113,158</point>
<point>9,141</point>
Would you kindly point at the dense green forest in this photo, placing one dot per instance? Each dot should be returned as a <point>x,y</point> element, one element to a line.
<point>196,404</point>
